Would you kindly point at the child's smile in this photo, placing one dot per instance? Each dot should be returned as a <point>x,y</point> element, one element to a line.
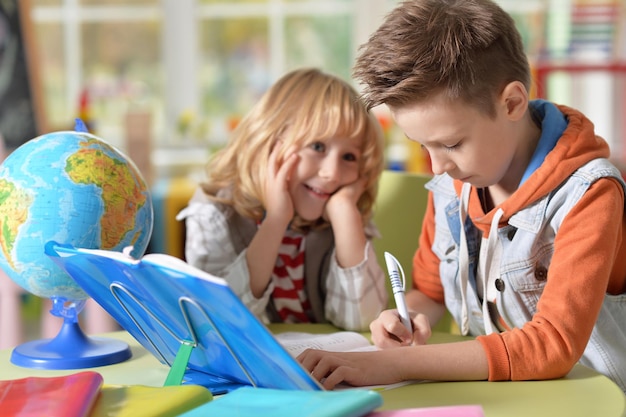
<point>324,167</point>
<point>317,192</point>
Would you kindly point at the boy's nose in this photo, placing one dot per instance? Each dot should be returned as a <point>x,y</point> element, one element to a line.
<point>440,165</point>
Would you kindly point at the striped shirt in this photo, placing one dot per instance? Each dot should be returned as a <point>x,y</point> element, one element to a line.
<point>289,295</point>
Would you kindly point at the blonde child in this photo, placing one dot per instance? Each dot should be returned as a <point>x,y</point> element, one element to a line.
<point>284,215</point>
<point>523,237</point>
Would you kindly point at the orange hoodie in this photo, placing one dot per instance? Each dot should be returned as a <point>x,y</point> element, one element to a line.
<point>589,260</point>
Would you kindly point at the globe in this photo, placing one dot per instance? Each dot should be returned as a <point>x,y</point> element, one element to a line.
<point>68,188</point>
<point>72,188</point>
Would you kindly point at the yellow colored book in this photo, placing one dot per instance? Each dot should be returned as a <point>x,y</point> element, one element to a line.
<point>145,401</point>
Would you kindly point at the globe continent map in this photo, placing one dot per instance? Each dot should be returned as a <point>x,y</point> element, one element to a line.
<point>71,188</point>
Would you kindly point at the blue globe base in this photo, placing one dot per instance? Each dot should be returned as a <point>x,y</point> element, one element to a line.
<point>70,349</point>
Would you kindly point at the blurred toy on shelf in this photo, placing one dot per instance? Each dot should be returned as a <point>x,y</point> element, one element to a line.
<point>85,112</point>
<point>401,153</point>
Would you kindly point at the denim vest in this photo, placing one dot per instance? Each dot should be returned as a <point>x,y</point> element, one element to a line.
<point>527,244</point>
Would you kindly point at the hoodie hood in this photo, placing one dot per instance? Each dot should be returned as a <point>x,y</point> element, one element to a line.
<point>576,146</point>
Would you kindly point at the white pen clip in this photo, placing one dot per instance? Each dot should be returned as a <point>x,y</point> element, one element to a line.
<point>393,265</point>
<point>397,287</point>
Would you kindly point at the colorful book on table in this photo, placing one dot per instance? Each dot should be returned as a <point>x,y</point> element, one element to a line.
<point>145,401</point>
<point>263,402</point>
<point>447,411</point>
<point>189,320</point>
<point>59,396</point>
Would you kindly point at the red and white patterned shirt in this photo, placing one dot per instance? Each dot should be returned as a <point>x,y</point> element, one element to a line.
<point>289,295</point>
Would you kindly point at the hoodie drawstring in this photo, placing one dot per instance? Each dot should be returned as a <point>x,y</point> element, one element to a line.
<point>489,263</point>
<point>464,258</point>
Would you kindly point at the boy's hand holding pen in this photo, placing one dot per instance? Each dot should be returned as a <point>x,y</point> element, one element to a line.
<point>397,287</point>
<point>395,328</point>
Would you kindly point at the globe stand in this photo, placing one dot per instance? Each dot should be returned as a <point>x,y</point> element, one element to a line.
<point>71,348</point>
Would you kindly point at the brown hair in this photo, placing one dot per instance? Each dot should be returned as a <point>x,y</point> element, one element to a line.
<point>303,106</point>
<point>469,49</point>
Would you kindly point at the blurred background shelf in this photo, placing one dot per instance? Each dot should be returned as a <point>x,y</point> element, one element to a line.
<point>167,80</point>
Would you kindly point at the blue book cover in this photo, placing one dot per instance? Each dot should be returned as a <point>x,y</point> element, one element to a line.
<point>260,402</point>
<point>166,304</point>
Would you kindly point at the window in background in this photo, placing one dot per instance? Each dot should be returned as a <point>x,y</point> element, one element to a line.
<point>245,47</point>
<point>121,62</point>
<point>102,55</point>
<point>48,2</point>
<point>321,41</point>
<point>195,65</point>
<point>233,70</point>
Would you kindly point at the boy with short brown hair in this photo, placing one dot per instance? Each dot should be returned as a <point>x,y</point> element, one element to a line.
<point>522,239</point>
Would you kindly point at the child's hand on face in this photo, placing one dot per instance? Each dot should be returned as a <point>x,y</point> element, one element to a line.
<point>278,202</point>
<point>344,200</point>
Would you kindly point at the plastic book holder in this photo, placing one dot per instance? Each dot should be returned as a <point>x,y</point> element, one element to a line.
<point>188,319</point>
<point>178,367</point>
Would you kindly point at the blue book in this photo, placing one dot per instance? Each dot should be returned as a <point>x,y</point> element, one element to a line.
<point>188,319</point>
<point>262,402</point>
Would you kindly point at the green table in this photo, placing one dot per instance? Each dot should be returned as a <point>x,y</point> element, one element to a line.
<point>583,392</point>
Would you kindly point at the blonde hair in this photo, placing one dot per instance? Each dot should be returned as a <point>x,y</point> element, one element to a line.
<point>303,106</point>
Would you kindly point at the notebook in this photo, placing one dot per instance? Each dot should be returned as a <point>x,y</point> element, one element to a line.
<point>446,411</point>
<point>145,401</point>
<point>262,402</point>
<point>48,396</point>
<point>188,319</point>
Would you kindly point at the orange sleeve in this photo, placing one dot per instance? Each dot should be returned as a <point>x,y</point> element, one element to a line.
<point>588,249</point>
<point>425,262</point>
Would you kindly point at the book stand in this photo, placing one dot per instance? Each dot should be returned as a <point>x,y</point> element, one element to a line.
<point>178,367</point>
<point>188,319</point>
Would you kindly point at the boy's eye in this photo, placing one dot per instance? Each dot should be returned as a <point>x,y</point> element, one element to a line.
<point>450,148</point>
<point>318,146</point>
<point>350,157</point>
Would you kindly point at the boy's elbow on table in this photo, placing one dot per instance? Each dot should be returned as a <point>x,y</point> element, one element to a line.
<point>506,365</point>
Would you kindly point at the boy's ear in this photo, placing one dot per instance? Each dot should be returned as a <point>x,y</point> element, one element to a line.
<point>514,99</point>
